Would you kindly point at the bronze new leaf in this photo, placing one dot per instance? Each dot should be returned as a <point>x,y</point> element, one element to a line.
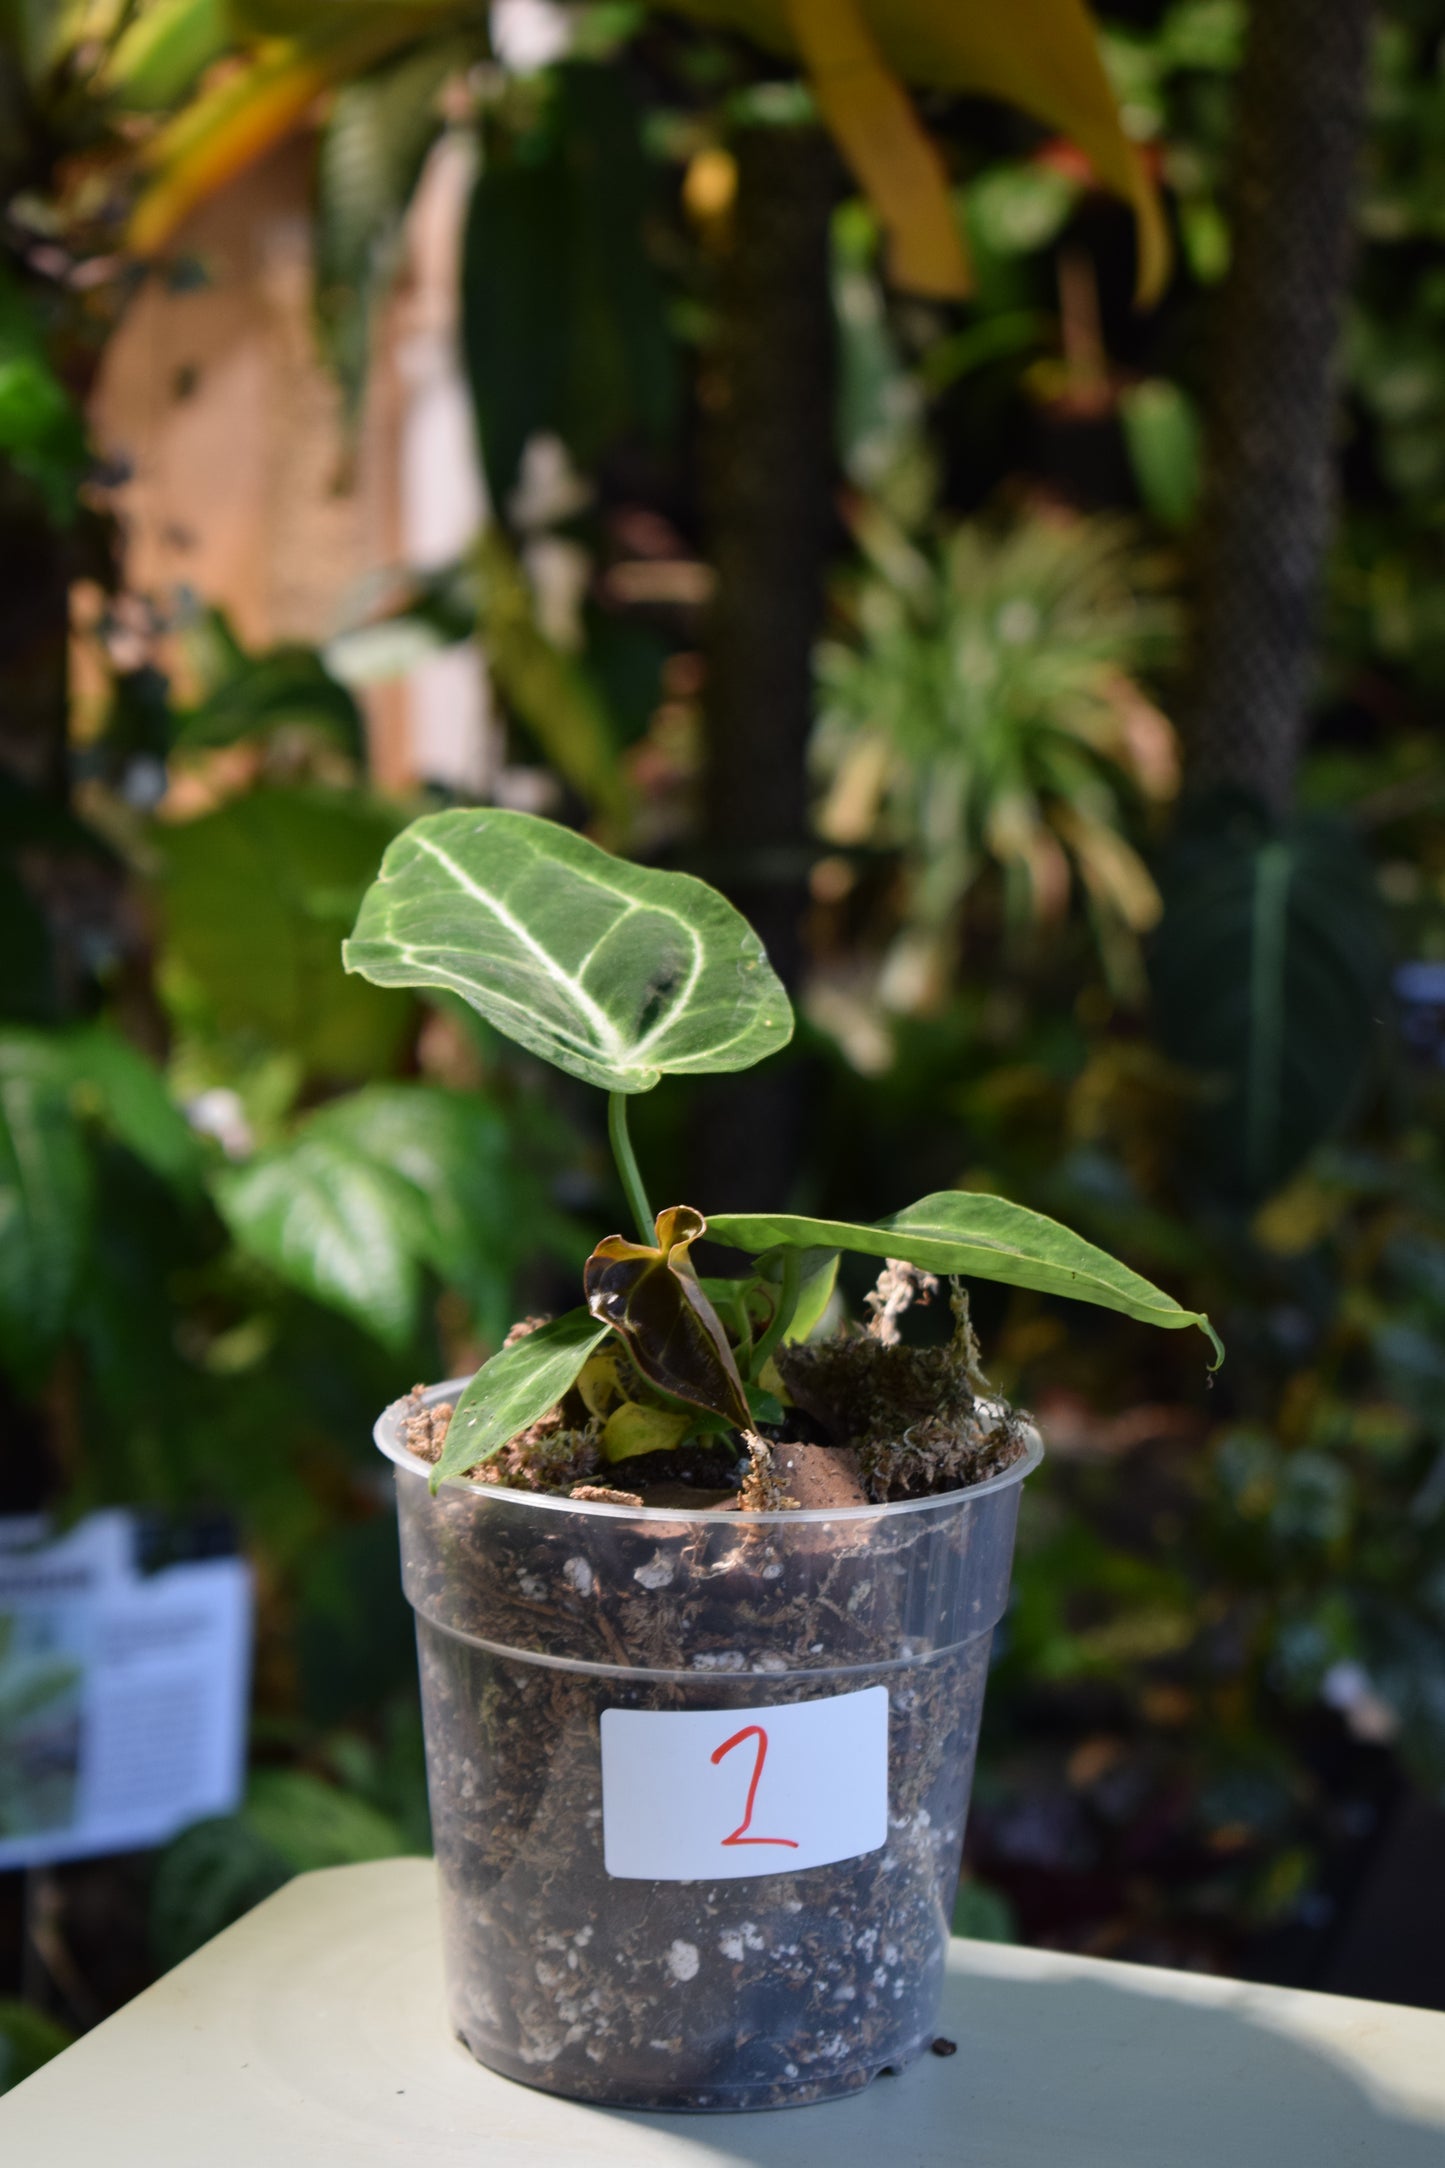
<point>673,1333</point>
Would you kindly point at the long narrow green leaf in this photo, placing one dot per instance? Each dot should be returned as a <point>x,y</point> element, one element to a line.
<point>977,1237</point>
<point>516,1388</point>
<point>372,152</point>
<point>164,50</point>
<point>565,325</point>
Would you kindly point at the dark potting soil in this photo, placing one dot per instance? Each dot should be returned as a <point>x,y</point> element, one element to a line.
<point>678,1994</point>
<point>532,1620</point>
<point>751,1993</point>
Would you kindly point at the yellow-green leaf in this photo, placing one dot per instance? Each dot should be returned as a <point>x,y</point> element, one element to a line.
<point>549,690</point>
<point>632,1429</point>
<point>236,119</point>
<point>163,50</point>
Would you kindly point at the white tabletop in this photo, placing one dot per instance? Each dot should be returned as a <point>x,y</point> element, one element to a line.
<point>312,2033</point>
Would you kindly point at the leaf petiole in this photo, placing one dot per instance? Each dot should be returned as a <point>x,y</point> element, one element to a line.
<point>782,1316</point>
<point>627,1166</point>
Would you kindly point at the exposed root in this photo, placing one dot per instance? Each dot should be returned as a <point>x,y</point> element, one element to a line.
<point>763,1489</point>
<point>899,1286</point>
<point>965,1338</point>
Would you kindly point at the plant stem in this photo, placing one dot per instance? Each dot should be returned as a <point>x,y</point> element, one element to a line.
<point>782,1316</point>
<point>627,1166</point>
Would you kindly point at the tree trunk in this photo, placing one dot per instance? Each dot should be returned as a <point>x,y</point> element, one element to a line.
<point>1270,463</point>
<point>34,642</point>
<point>768,469</point>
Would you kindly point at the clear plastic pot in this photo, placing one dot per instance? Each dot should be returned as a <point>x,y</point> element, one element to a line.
<point>733,1978</point>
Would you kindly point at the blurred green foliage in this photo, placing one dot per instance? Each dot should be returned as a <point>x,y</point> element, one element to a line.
<point>244,1200</point>
<point>27,2040</point>
<point>984,714</point>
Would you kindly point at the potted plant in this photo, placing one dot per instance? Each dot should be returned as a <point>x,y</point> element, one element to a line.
<point>704,1600</point>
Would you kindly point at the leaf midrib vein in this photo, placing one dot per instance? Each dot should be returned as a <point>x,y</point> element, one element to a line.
<point>623,1052</point>
<point>602,1023</point>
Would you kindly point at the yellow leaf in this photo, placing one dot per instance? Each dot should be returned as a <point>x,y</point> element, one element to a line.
<point>1039,55</point>
<point>849,813</point>
<point>1015,831</point>
<point>1112,870</point>
<point>237,117</point>
<point>1043,57</point>
<point>1295,1219</point>
<point>232,124</point>
<point>632,1429</point>
<point>710,184</point>
<point>889,151</point>
<point>599,1383</point>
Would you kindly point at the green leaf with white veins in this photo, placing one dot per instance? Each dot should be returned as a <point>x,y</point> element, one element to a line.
<point>619,974</point>
<point>979,1238</point>
<point>346,1229</point>
<point>516,1388</point>
<point>386,1184</point>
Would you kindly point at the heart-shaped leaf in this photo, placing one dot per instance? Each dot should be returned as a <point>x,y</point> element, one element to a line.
<point>654,1299</point>
<point>618,974</point>
<point>380,1187</point>
<point>516,1389</point>
<point>343,1227</point>
<point>977,1237</point>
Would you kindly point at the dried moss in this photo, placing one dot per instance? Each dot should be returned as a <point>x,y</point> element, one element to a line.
<point>553,1455</point>
<point>915,1417</point>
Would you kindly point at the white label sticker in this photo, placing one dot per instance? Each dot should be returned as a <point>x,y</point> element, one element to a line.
<point>716,1794</point>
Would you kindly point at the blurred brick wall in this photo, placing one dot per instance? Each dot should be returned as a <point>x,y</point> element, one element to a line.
<point>244,489</point>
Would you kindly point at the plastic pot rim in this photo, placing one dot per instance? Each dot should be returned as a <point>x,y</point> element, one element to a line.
<point>386,1430</point>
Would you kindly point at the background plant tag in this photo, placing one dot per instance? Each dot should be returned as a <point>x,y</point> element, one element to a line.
<point>123,1692</point>
<point>715,1794</point>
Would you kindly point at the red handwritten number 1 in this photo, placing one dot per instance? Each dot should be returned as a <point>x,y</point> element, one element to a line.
<point>739,1835</point>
